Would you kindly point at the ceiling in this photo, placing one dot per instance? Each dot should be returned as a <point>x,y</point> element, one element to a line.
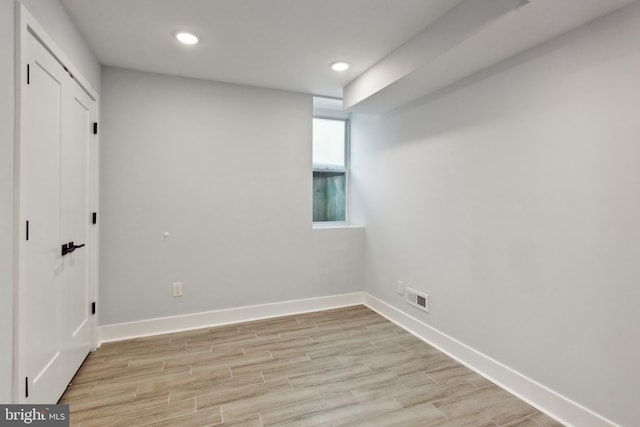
<point>469,38</point>
<point>399,50</point>
<point>282,44</point>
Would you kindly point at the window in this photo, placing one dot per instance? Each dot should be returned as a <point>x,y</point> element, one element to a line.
<point>330,169</point>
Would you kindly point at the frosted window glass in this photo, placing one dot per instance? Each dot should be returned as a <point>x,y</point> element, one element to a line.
<point>328,144</point>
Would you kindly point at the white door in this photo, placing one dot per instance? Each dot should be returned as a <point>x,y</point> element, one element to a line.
<point>76,321</point>
<point>56,329</point>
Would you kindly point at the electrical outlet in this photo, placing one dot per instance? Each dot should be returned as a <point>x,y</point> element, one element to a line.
<point>177,289</point>
<point>400,287</point>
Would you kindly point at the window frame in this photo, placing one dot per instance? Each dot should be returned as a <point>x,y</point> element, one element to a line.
<point>347,164</point>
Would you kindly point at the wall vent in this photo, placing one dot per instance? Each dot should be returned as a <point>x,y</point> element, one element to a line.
<point>418,299</point>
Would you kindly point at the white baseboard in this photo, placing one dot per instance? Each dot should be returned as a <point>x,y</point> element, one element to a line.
<point>163,325</point>
<point>544,399</point>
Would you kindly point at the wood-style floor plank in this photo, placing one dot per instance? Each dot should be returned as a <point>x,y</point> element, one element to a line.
<point>340,367</point>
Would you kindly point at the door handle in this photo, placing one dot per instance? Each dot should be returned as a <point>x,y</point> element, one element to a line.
<point>67,248</point>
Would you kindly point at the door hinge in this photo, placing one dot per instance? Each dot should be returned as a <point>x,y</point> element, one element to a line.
<point>94,218</point>
<point>95,128</point>
<point>28,74</point>
<point>27,231</point>
<point>68,72</point>
<point>26,386</point>
<point>93,307</point>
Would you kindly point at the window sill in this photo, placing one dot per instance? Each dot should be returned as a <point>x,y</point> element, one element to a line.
<point>333,225</point>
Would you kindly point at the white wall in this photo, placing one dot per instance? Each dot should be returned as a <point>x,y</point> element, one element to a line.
<point>512,200</point>
<point>6,198</point>
<point>227,171</point>
<point>53,17</point>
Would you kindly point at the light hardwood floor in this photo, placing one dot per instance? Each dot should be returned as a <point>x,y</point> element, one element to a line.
<point>342,367</point>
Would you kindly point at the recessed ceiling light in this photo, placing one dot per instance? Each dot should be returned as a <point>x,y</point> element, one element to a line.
<point>339,66</point>
<point>186,38</point>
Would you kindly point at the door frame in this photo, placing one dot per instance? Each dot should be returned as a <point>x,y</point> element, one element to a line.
<point>26,24</point>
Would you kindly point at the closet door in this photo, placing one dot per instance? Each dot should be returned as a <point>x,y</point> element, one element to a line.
<point>56,327</point>
<point>76,321</point>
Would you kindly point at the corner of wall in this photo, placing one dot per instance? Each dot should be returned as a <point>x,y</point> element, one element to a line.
<point>7,115</point>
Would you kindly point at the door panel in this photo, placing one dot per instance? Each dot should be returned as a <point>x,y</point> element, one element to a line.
<point>40,152</point>
<point>74,207</point>
<point>54,170</point>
